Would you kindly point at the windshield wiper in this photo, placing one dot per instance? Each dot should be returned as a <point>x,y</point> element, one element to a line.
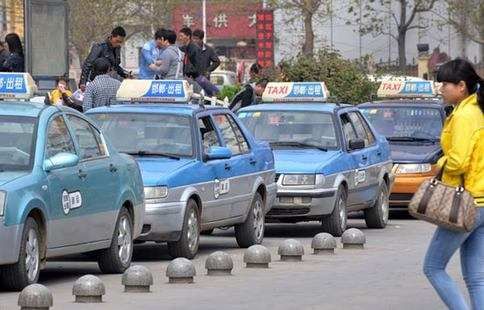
<point>412,139</point>
<point>298,144</point>
<point>150,153</point>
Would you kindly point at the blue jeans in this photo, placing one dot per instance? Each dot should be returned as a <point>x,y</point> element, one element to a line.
<point>442,247</point>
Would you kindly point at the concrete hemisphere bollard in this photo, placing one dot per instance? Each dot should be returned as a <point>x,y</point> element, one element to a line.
<point>35,297</point>
<point>291,250</point>
<point>219,264</point>
<point>323,243</point>
<point>137,279</point>
<point>353,239</point>
<point>257,256</point>
<point>88,289</point>
<point>180,270</point>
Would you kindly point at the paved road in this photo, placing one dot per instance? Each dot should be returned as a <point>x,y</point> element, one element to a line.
<point>386,275</point>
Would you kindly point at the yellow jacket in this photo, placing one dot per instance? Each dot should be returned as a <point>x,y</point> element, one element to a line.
<point>462,142</point>
<point>55,96</point>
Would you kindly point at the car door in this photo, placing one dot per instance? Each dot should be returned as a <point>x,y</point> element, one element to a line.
<point>100,178</point>
<point>216,200</point>
<point>243,164</point>
<point>66,189</point>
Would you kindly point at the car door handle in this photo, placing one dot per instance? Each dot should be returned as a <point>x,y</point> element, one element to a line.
<point>364,157</point>
<point>378,153</point>
<point>227,167</point>
<point>252,161</point>
<point>113,168</point>
<point>82,174</point>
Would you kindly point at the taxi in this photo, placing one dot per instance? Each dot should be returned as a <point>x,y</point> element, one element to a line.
<point>63,188</point>
<point>201,168</point>
<point>329,160</point>
<point>411,117</point>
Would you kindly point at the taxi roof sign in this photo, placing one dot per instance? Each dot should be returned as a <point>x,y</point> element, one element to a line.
<point>295,92</point>
<point>406,89</point>
<point>17,86</point>
<point>154,91</point>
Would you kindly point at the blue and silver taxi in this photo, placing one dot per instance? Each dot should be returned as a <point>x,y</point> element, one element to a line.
<point>201,168</point>
<point>329,160</point>
<point>63,188</point>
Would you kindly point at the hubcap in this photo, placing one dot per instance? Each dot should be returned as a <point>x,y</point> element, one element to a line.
<point>258,221</point>
<point>125,241</point>
<point>385,206</point>
<point>32,255</point>
<point>342,214</point>
<point>192,231</point>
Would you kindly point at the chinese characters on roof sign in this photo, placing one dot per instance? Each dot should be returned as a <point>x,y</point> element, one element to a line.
<point>16,86</point>
<point>154,91</point>
<point>406,89</point>
<point>295,92</point>
<point>265,38</point>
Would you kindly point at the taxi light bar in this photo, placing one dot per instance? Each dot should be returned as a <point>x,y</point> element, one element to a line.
<point>295,92</point>
<point>154,91</point>
<point>406,89</point>
<point>17,86</point>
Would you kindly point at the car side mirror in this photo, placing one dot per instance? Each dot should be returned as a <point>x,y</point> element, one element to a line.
<point>61,160</point>
<point>356,144</point>
<point>217,152</point>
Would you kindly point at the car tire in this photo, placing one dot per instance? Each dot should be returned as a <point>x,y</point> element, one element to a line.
<point>117,258</point>
<point>252,230</point>
<point>335,223</point>
<point>26,271</point>
<point>208,232</point>
<point>189,241</point>
<point>377,216</point>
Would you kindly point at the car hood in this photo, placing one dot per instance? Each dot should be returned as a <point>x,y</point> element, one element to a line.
<point>415,153</point>
<point>9,176</point>
<point>302,160</point>
<point>157,171</point>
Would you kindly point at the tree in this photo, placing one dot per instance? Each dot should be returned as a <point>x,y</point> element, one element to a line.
<point>379,17</point>
<point>305,11</point>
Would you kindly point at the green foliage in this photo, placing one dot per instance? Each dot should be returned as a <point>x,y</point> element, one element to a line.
<point>346,82</point>
<point>228,91</point>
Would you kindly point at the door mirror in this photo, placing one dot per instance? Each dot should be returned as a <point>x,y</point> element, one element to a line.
<point>356,144</point>
<point>61,160</point>
<point>217,152</point>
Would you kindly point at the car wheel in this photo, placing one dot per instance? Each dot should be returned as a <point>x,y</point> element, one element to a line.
<point>252,230</point>
<point>377,215</point>
<point>26,271</point>
<point>208,232</point>
<point>335,223</point>
<point>117,258</point>
<point>189,241</point>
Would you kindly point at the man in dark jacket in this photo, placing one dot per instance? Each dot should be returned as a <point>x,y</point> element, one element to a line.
<point>209,58</point>
<point>192,59</point>
<point>248,95</point>
<point>109,49</point>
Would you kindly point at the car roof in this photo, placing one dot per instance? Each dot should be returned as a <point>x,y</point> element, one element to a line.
<point>21,108</point>
<point>424,103</point>
<point>162,108</point>
<point>316,107</point>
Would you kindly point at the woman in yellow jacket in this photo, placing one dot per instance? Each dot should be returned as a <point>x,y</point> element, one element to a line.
<point>462,142</point>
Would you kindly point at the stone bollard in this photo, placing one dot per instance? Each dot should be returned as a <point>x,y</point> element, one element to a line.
<point>88,289</point>
<point>35,297</point>
<point>137,279</point>
<point>353,239</point>
<point>291,250</point>
<point>323,243</point>
<point>219,264</point>
<point>180,270</point>
<point>257,256</point>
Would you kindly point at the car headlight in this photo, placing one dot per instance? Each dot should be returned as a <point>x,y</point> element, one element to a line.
<point>413,168</point>
<point>302,179</point>
<point>155,194</point>
<point>3,195</point>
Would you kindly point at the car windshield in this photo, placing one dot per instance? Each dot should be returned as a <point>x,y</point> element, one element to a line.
<point>405,123</point>
<point>301,129</point>
<point>16,143</point>
<point>148,134</point>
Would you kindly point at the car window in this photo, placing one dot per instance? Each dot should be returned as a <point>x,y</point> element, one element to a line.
<point>229,135</point>
<point>359,127</point>
<point>369,133</point>
<point>348,130</point>
<point>58,138</point>
<point>89,144</point>
<point>208,133</point>
<point>244,145</point>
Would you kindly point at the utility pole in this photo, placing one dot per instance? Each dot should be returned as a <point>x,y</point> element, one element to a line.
<point>359,30</point>
<point>389,31</point>
<point>204,20</point>
<point>331,23</point>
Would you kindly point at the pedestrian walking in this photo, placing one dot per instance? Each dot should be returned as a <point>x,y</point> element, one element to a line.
<point>150,57</point>
<point>15,61</point>
<point>103,89</point>
<point>110,50</point>
<point>248,95</point>
<point>462,141</point>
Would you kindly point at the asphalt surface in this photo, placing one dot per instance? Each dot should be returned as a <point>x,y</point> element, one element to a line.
<point>385,275</point>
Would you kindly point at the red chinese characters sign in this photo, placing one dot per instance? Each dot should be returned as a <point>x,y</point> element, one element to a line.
<point>265,38</point>
<point>226,20</point>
